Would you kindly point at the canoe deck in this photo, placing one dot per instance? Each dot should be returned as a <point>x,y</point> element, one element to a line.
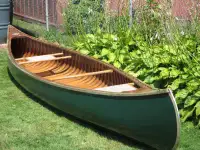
<point>69,68</point>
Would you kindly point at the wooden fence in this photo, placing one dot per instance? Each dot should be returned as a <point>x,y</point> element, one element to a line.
<point>34,10</point>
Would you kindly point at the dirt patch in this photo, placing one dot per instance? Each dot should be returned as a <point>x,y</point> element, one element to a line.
<point>3,46</point>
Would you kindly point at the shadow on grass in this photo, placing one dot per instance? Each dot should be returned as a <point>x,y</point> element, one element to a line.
<point>100,130</point>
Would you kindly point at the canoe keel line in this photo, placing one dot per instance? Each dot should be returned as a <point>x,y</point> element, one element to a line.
<point>94,91</point>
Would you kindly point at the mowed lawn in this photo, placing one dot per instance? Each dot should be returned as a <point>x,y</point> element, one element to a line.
<point>26,123</point>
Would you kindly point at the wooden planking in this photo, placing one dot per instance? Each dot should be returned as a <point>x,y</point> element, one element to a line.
<point>58,58</point>
<point>23,58</point>
<point>82,75</point>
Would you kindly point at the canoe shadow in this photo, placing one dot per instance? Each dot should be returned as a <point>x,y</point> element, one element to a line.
<point>97,129</point>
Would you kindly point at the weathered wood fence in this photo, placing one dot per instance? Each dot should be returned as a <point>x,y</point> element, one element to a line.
<point>34,10</point>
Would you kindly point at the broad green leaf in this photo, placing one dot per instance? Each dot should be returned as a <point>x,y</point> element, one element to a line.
<point>197,104</point>
<point>190,101</point>
<point>104,41</point>
<point>182,94</point>
<point>175,73</point>
<point>161,68</point>
<point>134,54</point>
<point>185,76</point>
<point>176,83</point>
<point>164,73</point>
<point>114,46</point>
<point>79,45</point>
<point>129,67</point>
<point>197,94</point>
<point>192,85</point>
<point>97,56</point>
<point>85,51</point>
<point>105,52</point>
<point>186,113</point>
<point>197,109</point>
<point>131,42</point>
<point>141,72</point>
<point>111,57</point>
<point>150,79</point>
<point>157,50</point>
<point>90,37</point>
<point>117,64</point>
<point>121,58</point>
<point>123,51</point>
<point>133,73</point>
<point>105,60</point>
<point>197,74</point>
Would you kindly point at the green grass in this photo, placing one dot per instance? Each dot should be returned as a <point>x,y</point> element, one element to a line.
<point>38,30</point>
<point>35,28</point>
<point>28,123</point>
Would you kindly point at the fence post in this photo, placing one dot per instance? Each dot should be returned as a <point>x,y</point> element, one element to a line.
<point>47,14</point>
<point>130,13</point>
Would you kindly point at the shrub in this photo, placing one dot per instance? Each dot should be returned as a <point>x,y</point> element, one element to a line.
<point>83,16</point>
<point>157,50</point>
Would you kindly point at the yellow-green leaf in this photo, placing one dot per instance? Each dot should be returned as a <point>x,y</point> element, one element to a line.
<point>105,52</point>
<point>85,51</point>
<point>197,109</point>
<point>186,113</point>
<point>111,57</point>
<point>190,101</point>
<point>117,64</point>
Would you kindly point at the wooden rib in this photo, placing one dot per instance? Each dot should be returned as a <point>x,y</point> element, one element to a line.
<point>91,82</point>
<point>68,81</point>
<point>63,73</point>
<point>56,54</point>
<point>45,68</point>
<point>59,58</point>
<point>84,74</point>
<point>42,66</point>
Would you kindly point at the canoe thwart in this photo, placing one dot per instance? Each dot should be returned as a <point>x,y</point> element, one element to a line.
<point>82,75</point>
<point>24,58</point>
<point>118,88</point>
<point>43,58</point>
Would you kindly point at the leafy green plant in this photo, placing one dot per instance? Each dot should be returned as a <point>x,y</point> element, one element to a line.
<point>162,65</point>
<point>157,49</point>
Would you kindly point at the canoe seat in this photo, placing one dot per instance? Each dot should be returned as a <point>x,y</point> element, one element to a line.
<point>80,75</point>
<point>118,88</point>
<point>41,58</point>
<point>25,58</point>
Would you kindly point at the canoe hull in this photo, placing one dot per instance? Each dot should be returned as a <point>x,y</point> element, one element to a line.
<point>151,119</point>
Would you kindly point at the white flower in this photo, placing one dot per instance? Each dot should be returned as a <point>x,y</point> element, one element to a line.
<point>182,33</point>
<point>90,10</point>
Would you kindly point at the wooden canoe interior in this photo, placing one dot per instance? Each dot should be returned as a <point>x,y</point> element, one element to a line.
<point>66,67</point>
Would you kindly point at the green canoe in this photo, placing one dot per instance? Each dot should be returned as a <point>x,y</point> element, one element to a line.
<point>94,91</point>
